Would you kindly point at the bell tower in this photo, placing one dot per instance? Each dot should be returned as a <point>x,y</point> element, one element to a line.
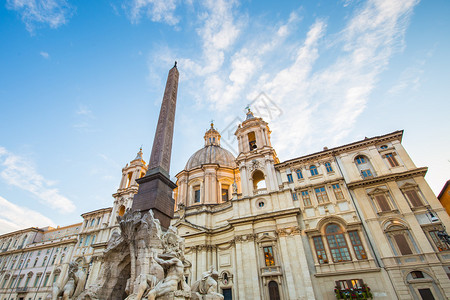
<point>256,157</point>
<point>128,186</point>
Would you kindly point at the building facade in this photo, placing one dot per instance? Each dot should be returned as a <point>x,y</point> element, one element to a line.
<point>319,226</point>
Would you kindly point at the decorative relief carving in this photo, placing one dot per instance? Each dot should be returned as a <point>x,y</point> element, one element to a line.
<point>288,231</point>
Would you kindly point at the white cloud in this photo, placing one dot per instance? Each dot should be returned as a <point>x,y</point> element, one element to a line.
<point>44,54</point>
<point>157,10</point>
<point>84,111</point>
<point>53,13</point>
<point>18,171</point>
<point>14,217</point>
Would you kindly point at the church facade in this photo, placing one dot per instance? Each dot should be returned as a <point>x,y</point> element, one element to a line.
<point>357,220</point>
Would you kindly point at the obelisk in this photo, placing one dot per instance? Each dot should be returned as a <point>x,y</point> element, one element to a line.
<point>155,188</point>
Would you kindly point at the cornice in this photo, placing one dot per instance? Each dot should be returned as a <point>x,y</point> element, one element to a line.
<point>386,178</point>
<point>396,135</point>
<point>33,247</point>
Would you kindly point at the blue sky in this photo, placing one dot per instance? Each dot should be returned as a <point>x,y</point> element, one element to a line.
<point>81,83</point>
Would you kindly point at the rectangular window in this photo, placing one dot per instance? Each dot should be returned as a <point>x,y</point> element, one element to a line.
<point>98,221</point>
<point>81,242</point>
<point>36,281</point>
<point>294,196</point>
<point>321,195</point>
<point>402,244</point>
<point>441,246</point>
<point>4,283</point>
<point>19,281</point>
<point>224,193</point>
<point>426,294</point>
<point>289,177</point>
<point>366,173</point>
<point>413,198</point>
<point>47,276</point>
<point>13,281</point>
<point>338,192</point>
<point>382,203</point>
<point>88,238</point>
<point>306,199</point>
<point>320,250</point>
<point>338,247</point>
<point>27,281</point>
<point>197,196</point>
<point>268,256</point>
<point>357,245</point>
<point>391,159</point>
<point>55,278</point>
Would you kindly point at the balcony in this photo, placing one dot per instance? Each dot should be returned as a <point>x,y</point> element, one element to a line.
<point>21,290</point>
<point>259,191</point>
<point>270,271</point>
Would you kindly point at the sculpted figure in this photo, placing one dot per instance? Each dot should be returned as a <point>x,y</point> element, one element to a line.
<point>235,190</point>
<point>73,285</point>
<point>174,269</point>
<point>149,281</point>
<point>172,262</point>
<point>206,287</point>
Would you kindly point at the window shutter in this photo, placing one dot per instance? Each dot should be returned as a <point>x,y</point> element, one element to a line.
<point>402,244</point>
<point>413,198</point>
<point>382,203</point>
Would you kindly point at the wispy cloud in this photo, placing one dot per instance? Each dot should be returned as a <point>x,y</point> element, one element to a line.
<point>83,119</point>
<point>157,10</point>
<point>14,217</point>
<point>44,54</point>
<point>20,172</point>
<point>83,110</point>
<point>328,76</point>
<point>33,13</point>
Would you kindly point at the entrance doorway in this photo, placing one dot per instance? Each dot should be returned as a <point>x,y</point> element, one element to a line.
<point>274,293</point>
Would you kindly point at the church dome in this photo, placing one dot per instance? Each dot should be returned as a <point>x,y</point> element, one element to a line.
<point>212,153</point>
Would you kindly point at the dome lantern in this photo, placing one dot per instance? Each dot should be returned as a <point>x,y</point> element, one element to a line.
<point>212,136</point>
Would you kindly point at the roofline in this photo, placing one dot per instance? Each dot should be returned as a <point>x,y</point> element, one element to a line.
<point>64,227</point>
<point>96,211</point>
<point>443,189</point>
<point>392,135</point>
<point>22,231</point>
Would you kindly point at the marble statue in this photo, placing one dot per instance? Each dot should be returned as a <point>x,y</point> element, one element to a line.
<point>73,285</point>
<point>206,287</point>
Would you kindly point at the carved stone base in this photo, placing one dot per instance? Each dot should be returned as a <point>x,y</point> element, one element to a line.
<point>177,295</point>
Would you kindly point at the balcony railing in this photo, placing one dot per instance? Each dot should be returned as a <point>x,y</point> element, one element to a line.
<point>260,191</point>
<point>21,289</point>
<point>271,270</point>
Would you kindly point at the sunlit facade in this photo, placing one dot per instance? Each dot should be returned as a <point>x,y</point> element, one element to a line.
<point>340,221</point>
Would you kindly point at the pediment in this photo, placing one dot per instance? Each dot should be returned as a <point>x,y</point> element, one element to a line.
<point>408,185</point>
<point>184,228</point>
<point>266,238</point>
<point>378,190</point>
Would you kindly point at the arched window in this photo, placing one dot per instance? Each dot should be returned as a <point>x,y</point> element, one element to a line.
<point>259,181</point>
<point>328,167</point>
<point>299,174</point>
<point>121,210</point>
<point>364,166</point>
<point>274,293</point>
<point>252,140</point>
<point>336,243</point>
<point>360,160</point>
<point>62,258</point>
<point>313,170</point>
